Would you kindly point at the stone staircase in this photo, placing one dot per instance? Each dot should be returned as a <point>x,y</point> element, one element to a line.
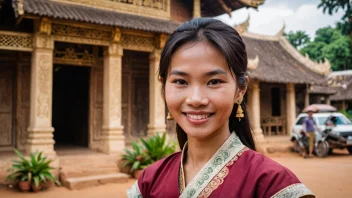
<point>87,170</point>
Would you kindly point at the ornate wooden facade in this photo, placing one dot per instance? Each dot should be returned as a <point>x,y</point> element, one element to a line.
<point>84,71</point>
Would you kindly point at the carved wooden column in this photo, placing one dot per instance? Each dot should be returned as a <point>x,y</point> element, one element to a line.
<point>306,96</point>
<point>290,106</point>
<point>254,110</point>
<point>156,103</point>
<point>112,136</point>
<point>196,9</point>
<point>40,130</point>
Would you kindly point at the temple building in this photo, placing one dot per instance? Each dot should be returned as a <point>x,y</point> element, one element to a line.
<point>342,82</point>
<point>282,82</point>
<point>82,73</point>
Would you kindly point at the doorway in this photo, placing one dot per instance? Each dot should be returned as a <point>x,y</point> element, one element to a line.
<point>71,105</point>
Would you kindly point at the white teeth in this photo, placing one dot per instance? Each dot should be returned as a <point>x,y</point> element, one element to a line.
<point>198,117</point>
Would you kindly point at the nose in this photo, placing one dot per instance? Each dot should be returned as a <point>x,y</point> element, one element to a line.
<point>197,98</point>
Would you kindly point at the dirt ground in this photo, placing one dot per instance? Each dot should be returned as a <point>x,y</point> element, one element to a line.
<point>327,177</point>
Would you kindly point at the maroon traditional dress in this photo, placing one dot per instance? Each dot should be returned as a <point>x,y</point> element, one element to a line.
<point>233,171</point>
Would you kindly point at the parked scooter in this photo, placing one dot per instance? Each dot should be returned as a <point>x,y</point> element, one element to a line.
<point>321,146</point>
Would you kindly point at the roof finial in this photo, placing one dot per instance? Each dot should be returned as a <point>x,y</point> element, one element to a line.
<point>282,31</point>
<point>243,27</point>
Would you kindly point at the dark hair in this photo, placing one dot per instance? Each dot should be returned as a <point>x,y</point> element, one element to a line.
<point>230,44</point>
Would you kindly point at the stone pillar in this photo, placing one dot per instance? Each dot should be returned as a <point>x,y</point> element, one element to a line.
<point>196,9</point>
<point>156,102</point>
<point>254,113</point>
<point>113,140</point>
<point>306,97</point>
<point>40,130</point>
<point>290,106</point>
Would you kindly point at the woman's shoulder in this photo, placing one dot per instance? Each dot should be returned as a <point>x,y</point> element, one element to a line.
<point>160,167</point>
<point>156,175</point>
<point>272,178</point>
<point>262,163</point>
<point>166,162</point>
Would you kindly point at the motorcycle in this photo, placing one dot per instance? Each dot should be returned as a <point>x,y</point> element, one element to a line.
<point>321,146</point>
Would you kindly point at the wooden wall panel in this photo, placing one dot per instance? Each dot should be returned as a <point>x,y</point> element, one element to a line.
<point>6,104</point>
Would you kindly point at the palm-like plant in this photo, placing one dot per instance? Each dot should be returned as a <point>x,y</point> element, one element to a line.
<point>36,169</point>
<point>157,147</point>
<point>136,157</point>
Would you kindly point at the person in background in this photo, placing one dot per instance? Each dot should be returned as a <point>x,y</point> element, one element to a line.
<point>309,130</point>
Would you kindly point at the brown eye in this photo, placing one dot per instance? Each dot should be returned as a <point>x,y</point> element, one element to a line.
<point>180,82</point>
<point>215,82</point>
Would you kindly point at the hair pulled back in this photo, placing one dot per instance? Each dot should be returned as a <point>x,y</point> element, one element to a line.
<point>230,44</point>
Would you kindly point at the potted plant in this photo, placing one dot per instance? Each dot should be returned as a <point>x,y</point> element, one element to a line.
<point>136,158</point>
<point>157,148</point>
<point>34,172</point>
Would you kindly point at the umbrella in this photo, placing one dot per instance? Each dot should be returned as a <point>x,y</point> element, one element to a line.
<point>320,108</point>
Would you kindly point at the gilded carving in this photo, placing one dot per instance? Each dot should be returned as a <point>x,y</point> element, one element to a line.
<point>43,99</point>
<point>70,56</point>
<point>79,40</point>
<point>116,35</point>
<point>45,26</point>
<point>65,30</point>
<point>16,41</point>
<point>43,41</point>
<point>135,42</point>
<point>160,41</point>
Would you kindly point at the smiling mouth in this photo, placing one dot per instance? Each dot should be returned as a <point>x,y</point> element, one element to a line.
<point>198,116</point>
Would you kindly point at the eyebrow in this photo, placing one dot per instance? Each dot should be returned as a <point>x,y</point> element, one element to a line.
<point>210,73</point>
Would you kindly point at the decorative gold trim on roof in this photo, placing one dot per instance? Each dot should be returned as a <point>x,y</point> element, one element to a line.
<point>260,36</point>
<point>322,68</point>
<point>282,31</point>
<point>252,3</point>
<point>156,9</point>
<point>243,27</point>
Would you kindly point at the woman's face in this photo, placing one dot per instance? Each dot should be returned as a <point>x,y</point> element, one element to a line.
<point>200,91</point>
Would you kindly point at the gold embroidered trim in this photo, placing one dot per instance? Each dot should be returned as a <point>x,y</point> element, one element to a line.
<point>294,190</point>
<point>219,178</point>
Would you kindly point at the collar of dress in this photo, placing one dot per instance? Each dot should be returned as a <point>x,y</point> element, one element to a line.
<point>231,147</point>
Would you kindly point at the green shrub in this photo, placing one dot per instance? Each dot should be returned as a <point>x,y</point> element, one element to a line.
<point>36,169</point>
<point>147,152</point>
<point>157,147</point>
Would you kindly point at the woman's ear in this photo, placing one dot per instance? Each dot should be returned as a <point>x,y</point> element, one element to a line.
<point>240,93</point>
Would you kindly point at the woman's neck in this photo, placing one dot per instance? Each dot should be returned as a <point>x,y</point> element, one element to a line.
<point>199,151</point>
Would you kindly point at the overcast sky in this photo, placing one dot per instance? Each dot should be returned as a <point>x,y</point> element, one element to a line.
<point>296,14</point>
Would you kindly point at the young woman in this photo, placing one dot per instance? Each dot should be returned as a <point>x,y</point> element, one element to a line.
<point>203,72</point>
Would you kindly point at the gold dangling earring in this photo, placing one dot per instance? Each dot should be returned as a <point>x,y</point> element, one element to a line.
<point>239,113</point>
<point>169,116</point>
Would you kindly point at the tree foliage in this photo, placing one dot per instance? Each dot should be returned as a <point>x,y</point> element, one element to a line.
<point>329,43</point>
<point>333,6</point>
<point>298,39</point>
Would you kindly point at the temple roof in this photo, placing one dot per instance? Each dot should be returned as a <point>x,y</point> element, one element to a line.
<point>342,81</point>
<point>87,14</point>
<point>276,63</point>
<point>211,8</point>
<point>343,93</point>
